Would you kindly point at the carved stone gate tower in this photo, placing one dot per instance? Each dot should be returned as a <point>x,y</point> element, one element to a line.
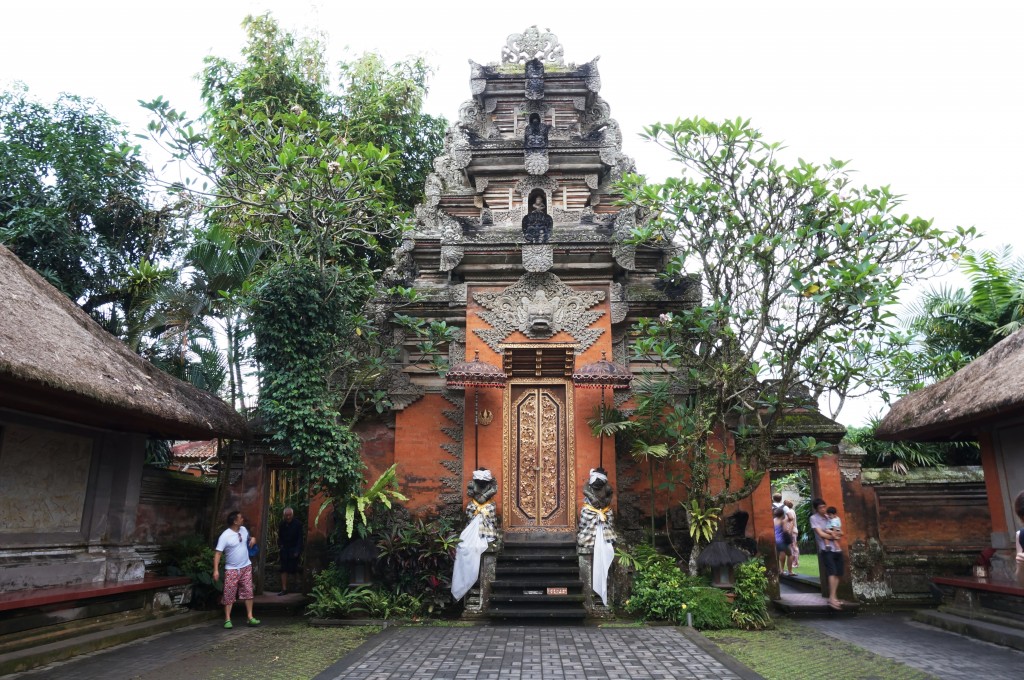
<point>520,245</point>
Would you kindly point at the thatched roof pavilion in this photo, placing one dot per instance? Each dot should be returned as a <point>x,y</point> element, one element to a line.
<point>55,361</point>
<point>989,389</point>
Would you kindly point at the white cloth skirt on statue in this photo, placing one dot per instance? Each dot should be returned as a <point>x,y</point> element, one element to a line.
<point>467,558</point>
<point>604,553</point>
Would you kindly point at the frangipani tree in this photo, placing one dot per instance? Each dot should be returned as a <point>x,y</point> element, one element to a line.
<point>796,265</point>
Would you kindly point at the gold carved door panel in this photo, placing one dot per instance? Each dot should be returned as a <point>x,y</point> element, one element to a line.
<point>538,459</point>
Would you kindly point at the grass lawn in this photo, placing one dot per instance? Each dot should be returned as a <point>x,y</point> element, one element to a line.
<point>808,565</point>
<point>793,651</point>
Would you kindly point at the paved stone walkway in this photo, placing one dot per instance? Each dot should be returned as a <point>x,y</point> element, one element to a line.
<point>943,654</point>
<point>535,653</point>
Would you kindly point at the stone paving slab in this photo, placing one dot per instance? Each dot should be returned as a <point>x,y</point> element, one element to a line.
<point>537,653</point>
<point>941,653</point>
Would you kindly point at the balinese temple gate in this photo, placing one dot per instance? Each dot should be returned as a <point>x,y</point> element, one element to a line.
<point>520,247</point>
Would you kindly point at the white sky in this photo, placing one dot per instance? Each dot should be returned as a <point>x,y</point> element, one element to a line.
<point>923,96</point>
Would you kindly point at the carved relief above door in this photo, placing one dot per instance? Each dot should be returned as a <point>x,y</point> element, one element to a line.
<point>538,458</point>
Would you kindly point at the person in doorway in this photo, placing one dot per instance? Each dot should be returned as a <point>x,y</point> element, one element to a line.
<point>783,535</point>
<point>289,541</point>
<point>830,557</point>
<point>233,545</point>
<point>794,550</point>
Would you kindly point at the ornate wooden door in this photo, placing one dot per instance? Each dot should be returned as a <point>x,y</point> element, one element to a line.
<point>538,459</point>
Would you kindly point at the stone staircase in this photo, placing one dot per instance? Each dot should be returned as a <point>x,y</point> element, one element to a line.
<point>525,571</point>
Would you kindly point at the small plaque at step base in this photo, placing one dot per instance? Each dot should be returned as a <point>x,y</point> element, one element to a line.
<point>558,591</point>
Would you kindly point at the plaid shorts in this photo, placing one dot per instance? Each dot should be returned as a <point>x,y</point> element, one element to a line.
<point>237,585</point>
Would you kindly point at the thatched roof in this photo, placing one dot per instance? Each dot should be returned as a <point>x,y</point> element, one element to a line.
<point>56,361</point>
<point>988,389</point>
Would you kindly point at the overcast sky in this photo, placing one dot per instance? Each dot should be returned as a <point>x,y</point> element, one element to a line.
<point>923,96</point>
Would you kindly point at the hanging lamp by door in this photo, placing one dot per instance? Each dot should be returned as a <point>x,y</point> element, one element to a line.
<point>475,374</point>
<point>602,375</point>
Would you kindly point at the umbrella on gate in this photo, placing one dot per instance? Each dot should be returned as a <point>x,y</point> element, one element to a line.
<point>475,374</point>
<point>602,375</point>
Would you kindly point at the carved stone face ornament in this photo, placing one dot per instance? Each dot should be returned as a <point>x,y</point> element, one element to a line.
<point>540,313</point>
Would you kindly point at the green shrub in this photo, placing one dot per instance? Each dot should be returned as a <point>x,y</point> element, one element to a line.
<point>192,557</point>
<point>333,599</point>
<point>751,603</point>
<point>660,589</point>
<point>709,608</point>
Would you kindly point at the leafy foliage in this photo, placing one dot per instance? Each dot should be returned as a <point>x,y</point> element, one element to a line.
<point>297,320</point>
<point>751,601</point>
<point>193,557</point>
<point>797,267</point>
<point>332,598</point>
<point>901,456</point>
<point>417,557</point>
<point>382,491</point>
<point>73,202</point>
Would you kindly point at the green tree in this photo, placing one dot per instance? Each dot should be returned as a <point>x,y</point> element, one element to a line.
<point>73,203</point>
<point>795,263</point>
<point>952,327</point>
<point>321,182</point>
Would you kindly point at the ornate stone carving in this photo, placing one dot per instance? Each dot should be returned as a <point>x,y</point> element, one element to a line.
<point>563,216</point>
<point>402,271</point>
<point>481,184</point>
<point>595,117</point>
<point>402,391</point>
<point>526,185</point>
<point>539,305</point>
<point>532,44</point>
<point>592,75</point>
<point>457,294</point>
<point>620,308</point>
<point>591,181</point>
<point>477,78</point>
<point>538,258</point>
<point>624,253</point>
<point>535,79</point>
<point>451,256</point>
<point>536,162</point>
<point>433,187</point>
<point>476,121</point>
<point>535,145</point>
<point>458,147</point>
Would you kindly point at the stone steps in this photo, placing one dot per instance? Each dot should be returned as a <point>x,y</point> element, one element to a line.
<point>525,570</point>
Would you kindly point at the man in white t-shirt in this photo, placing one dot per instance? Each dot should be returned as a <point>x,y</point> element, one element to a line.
<point>234,546</point>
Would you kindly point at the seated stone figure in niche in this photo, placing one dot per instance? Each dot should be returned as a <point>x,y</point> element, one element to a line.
<point>535,138</point>
<point>597,529</point>
<point>537,224</point>
<point>481,531</point>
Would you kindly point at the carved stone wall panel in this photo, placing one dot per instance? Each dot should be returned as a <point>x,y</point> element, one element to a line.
<point>563,216</point>
<point>539,306</point>
<point>538,258</point>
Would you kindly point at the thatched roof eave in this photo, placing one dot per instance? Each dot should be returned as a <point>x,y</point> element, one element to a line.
<point>55,361</point>
<point>988,390</point>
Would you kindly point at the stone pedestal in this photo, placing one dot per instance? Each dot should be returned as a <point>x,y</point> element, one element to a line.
<point>479,595</point>
<point>591,600</point>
